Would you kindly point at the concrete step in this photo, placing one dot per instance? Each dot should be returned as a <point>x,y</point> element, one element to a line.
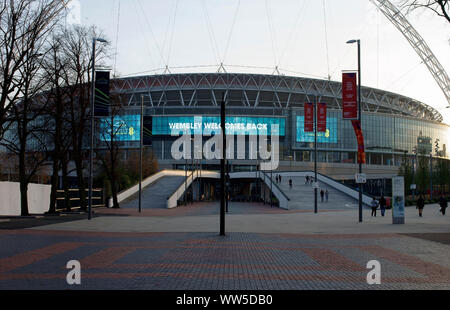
<point>301,196</point>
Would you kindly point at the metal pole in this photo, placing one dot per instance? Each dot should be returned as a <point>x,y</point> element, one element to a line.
<point>414,175</point>
<point>360,123</point>
<point>222,167</point>
<point>271,176</point>
<point>431,176</point>
<point>315,154</point>
<point>192,176</point>
<point>227,186</point>
<point>91,153</point>
<point>140,153</point>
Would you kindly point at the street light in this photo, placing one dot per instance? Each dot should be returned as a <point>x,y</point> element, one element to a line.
<point>91,159</point>
<point>359,117</point>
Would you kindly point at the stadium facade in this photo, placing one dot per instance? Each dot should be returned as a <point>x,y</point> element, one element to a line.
<point>393,125</point>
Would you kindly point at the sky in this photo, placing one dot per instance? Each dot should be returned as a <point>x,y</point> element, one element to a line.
<point>300,37</point>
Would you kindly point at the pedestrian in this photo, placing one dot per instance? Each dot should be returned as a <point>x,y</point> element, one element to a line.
<point>420,204</point>
<point>290,183</point>
<point>276,178</point>
<point>321,195</point>
<point>326,195</point>
<point>306,179</point>
<point>280,178</point>
<point>382,205</point>
<point>374,206</point>
<point>443,204</point>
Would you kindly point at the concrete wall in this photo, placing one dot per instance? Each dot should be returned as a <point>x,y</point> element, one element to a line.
<point>38,198</point>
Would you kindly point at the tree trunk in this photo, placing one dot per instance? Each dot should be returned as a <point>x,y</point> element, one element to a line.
<point>67,203</point>
<point>114,188</point>
<point>54,188</point>
<point>80,180</point>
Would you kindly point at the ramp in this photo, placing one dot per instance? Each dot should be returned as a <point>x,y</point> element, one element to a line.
<point>156,194</point>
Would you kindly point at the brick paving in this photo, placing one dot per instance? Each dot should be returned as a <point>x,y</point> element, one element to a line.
<point>36,259</point>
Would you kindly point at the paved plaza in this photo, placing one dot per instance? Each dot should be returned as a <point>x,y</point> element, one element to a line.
<point>265,248</point>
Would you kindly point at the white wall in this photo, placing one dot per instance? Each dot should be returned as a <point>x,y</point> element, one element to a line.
<point>38,198</point>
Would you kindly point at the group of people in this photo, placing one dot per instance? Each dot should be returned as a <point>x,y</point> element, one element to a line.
<point>442,204</point>
<point>324,193</point>
<point>278,178</point>
<point>375,204</point>
<point>419,205</point>
<point>309,180</point>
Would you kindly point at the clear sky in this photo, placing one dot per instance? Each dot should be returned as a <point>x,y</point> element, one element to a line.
<point>291,34</point>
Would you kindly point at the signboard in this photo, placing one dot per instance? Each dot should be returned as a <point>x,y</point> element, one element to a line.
<point>412,186</point>
<point>309,117</point>
<point>398,200</point>
<point>321,117</point>
<point>349,96</point>
<point>101,102</point>
<point>360,139</point>
<point>329,136</point>
<point>360,178</point>
<point>208,125</point>
<point>123,128</point>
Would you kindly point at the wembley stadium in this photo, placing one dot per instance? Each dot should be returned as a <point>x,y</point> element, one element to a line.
<point>393,125</point>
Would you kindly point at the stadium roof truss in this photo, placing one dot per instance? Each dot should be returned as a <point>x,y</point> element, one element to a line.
<point>259,90</point>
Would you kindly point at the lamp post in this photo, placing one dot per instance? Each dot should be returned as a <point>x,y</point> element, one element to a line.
<point>91,155</point>
<point>315,154</point>
<point>359,118</point>
<point>141,136</point>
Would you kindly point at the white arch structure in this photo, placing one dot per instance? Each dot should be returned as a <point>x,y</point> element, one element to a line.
<point>417,42</point>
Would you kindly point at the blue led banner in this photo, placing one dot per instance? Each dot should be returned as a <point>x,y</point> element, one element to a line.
<point>329,136</point>
<point>210,125</point>
<point>125,128</point>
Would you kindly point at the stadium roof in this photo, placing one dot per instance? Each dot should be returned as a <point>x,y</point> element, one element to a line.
<point>259,90</point>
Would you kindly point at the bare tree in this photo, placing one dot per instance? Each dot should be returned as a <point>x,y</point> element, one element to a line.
<point>23,24</point>
<point>440,7</point>
<point>77,49</point>
<point>109,154</point>
<point>55,69</point>
<point>28,126</point>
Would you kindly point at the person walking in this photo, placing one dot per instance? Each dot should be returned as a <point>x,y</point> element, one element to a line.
<point>306,180</point>
<point>382,205</point>
<point>322,193</point>
<point>443,204</point>
<point>290,183</point>
<point>326,195</point>
<point>279,177</point>
<point>374,206</point>
<point>420,204</point>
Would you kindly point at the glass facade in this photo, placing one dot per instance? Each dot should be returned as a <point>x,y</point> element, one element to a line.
<point>386,137</point>
<point>209,125</point>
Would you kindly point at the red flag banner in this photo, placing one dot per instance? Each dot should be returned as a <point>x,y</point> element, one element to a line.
<point>349,96</point>
<point>309,117</point>
<point>321,117</point>
<point>360,139</point>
